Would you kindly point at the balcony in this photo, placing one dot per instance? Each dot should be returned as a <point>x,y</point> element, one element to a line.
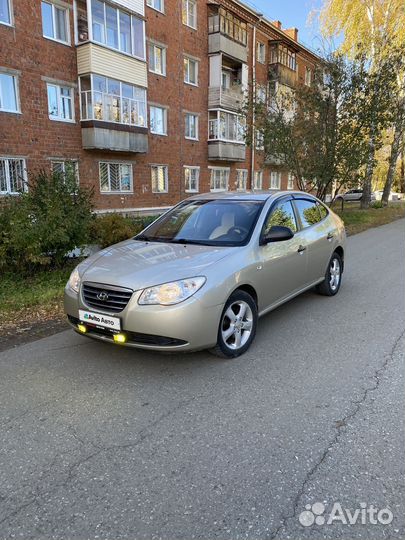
<point>218,42</point>
<point>226,98</point>
<point>116,138</point>
<point>227,34</point>
<point>226,151</point>
<point>283,75</point>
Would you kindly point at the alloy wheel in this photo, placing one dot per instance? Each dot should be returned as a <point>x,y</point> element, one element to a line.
<point>237,324</point>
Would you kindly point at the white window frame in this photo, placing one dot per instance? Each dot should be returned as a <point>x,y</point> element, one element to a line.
<point>290,181</point>
<point>60,98</point>
<point>164,110</point>
<point>166,177</point>
<point>258,175</point>
<point>225,172</point>
<point>105,44</point>
<point>6,160</point>
<point>197,179</point>
<point>215,126</point>
<point>187,60</point>
<point>152,5</point>
<point>241,176</point>
<point>119,163</point>
<point>308,76</point>
<point>10,13</point>
<point>187,126</point>
<point>275,175</point>
<point>163,48</point>
<point>15,79</point>
<point>186,8</point>
<point>261,52</point>
<point>67,22</point>
<point>62,162</point>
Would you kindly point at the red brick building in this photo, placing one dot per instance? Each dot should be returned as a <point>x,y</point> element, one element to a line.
<point>141,99</point>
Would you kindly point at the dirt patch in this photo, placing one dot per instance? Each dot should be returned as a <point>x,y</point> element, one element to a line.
<point>13,336</point>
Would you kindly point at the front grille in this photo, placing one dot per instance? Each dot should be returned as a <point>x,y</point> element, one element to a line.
<point>106,297</point>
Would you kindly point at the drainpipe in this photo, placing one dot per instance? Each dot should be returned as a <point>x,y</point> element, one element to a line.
<point>253,149</point>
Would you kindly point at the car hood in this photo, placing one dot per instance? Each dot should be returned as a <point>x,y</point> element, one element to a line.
<point>137,265</point>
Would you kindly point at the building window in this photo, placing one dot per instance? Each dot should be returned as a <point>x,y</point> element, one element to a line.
<point>261,94</point>
<point>158,120</point>
<point>55,22</point>
<point>259,140</point>
<point>219,179</point>
<point>157,59</point>
<point>66,167</point>
<point>159,175</point>
<point>190,71</point>
<point>5,12</point>
<point>290,181</point>
<point>225,22</point>
<point>8,93</point>
<point>60,102</point>
<point>118,29</point>
<point>189,13</point>
<point>258,180</point>
<point>191,126</point>
<point>12,176</point>
<point>308,76</point>
<point>225,126</point>
<point>241,179</point>
<point>156,4</point>
<point>280,54</point>
<point>115,177</point>
<point>261,52</point>
<point>191,179</point>
<point>275,180</point>
<point>110,100</point>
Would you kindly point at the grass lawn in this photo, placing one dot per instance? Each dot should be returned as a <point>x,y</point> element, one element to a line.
<point>25,300</point>
<point>357,220</point>
<point>38,298</point>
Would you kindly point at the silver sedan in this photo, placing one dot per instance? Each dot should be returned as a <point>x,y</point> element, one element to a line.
<point>201,275</point>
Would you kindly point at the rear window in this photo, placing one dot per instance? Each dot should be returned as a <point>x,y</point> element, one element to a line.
<point>308,211</point>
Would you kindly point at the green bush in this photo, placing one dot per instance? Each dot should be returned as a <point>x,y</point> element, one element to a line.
<point>39,227</point>
<point>377,204</point>
<point>112,228</point>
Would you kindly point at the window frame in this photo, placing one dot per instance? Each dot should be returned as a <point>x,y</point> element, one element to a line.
<point>290,179</point>
<point>155,8</point>
<point>278,173</point>
<point>244,173</point>
<point>16,81</point>
<point>63,161</point>
<point>166,177</point>
<point>185,5</point>
<point>163,48</point>
<point>119,9</point>
<point>256,175</point>
<point>186,71</point>
<point>59,98</point>
<point>120,191</point>
<point>187,125</point>
<point>10,15</point>
<point>197,169</point>
<point>294,200</point>
<point>6,160</point>
<point>261,52</point>
<point>164,110</point>
<point>240,123</point>
<point>213,170</point>
<point>308,77</point>
<point>55,6</point>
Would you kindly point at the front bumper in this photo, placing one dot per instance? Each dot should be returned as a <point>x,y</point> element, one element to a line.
<point>190,325</point>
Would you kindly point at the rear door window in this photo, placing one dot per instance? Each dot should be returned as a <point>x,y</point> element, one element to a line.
<point>308,211</point>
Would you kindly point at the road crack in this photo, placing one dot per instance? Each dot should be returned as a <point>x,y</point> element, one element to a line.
<point>339,426</point>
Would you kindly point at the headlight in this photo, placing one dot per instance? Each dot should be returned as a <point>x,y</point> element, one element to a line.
<point>171,293</point>
<point>74,280</point>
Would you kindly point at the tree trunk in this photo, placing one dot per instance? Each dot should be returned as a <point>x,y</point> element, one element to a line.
<point>395,148</point>
<point>366,198</point>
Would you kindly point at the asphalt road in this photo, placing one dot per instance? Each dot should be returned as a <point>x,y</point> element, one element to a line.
<point>103,442</point>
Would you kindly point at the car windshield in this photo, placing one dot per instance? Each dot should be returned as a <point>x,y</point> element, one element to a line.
<point>208,222</point>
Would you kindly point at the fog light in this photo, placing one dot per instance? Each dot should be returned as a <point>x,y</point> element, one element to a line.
<point>120,338</point>
<point>82,328</point>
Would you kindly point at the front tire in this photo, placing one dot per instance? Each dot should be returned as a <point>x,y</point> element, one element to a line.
<point>333,277</point>
<point>237,327</point>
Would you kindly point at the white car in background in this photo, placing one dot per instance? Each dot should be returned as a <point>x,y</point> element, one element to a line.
<point>353,195</point>
<point>394,196</point>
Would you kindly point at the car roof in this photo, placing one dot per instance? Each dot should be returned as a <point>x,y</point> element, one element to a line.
<point>248,195</point>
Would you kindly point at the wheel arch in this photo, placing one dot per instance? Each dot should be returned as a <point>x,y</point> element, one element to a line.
<point>340,251</point>
<point>249,289</point>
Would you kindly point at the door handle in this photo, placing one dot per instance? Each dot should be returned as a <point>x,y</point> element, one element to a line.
<point>301,249</point>
<point>330,236</point>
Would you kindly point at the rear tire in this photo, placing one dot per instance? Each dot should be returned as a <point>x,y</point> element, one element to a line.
<point>333,277</point>
<point>237,327</point>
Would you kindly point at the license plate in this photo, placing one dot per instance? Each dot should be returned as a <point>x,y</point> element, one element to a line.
<point>97,319</point>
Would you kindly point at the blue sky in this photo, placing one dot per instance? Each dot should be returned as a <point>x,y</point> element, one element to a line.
<point>292,13</point>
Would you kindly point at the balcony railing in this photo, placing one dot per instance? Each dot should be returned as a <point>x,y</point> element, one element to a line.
<point>109,108</point>
<point>228,98</point>
<point>282,74</point>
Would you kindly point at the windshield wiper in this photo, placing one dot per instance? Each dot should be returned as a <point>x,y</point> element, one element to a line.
<point>142,237</point>
<point>186,241</point>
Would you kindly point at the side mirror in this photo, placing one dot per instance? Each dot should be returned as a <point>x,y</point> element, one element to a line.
<point>276,234</point>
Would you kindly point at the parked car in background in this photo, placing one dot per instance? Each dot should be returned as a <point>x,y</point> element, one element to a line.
<point>201,274</point>
<point>353,195</point>
<point>394,196</point>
